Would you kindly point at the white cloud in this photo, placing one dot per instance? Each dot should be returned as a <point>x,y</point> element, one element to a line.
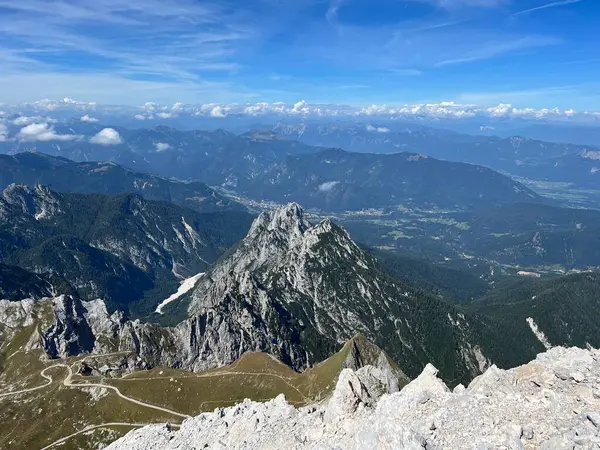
<point>3,132</point>
<point>87,118</point>
<point>219,111</point>
<point>507,110</point>
<point>444,109</point>
<point>500,110</point>
<point>43,132</point>
<point>149,107</point>
<point>25,120</point>
<point>264,108</point>
<point>108,136</point>
<point>378,129</point>
<point>161,146</point>
<point>177,107</point>
<point>466,107</point>
<point>300,107</point>
<point>66,103</point>
<point>151,110</point>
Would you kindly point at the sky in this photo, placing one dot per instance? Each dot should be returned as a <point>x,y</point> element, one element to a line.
<point>527,53</point>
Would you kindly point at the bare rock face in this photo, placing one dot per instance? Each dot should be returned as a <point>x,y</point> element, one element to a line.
<point>17,314</point>
<point>551,403</point>
<point>14,316</point>
<point>351,392</point>
<point>70,334</point>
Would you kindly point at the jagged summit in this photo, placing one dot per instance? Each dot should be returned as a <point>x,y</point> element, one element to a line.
<point>282,235</point>
<point>287,219</point>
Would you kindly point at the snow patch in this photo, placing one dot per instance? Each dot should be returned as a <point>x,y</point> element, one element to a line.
<point>185,286</point>
<point>538,333</point>
<point>325,187</point>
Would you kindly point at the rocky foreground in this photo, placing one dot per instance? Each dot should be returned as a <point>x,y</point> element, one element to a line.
<point>552,403</point>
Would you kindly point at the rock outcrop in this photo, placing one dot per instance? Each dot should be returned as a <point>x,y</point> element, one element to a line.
<point>552,403</point>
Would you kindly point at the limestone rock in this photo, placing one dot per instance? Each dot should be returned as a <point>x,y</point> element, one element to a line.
<point>501,409</point>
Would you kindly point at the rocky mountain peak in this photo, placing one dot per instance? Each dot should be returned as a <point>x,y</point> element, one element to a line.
<point>39,202</point>
<point>285,238</point>
<point>288,219</point>
<point>298,291</point>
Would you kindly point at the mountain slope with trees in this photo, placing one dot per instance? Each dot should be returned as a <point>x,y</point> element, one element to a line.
<point>119,247</point>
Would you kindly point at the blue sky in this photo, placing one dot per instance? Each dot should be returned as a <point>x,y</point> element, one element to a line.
<point>530,53</point>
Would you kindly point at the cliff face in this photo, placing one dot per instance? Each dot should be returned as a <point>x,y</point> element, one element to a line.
<point>551,403</point>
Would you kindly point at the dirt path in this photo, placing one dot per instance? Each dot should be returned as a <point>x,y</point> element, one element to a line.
<point>95,427</point>
<point>68,383</point>
<point>43,374</point>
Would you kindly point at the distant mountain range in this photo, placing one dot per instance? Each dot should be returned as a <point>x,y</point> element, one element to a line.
<point>215,156</point>
<point>581,168</point>
<point>339,180</point>
<point>329,179</point>
<point>536,159</point>
<point>64,175</point>
<point>580,134</point>
<point>127,250</point>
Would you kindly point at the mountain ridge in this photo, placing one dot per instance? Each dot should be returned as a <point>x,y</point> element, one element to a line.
<point>335,179</point>
<point>106,177</point>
